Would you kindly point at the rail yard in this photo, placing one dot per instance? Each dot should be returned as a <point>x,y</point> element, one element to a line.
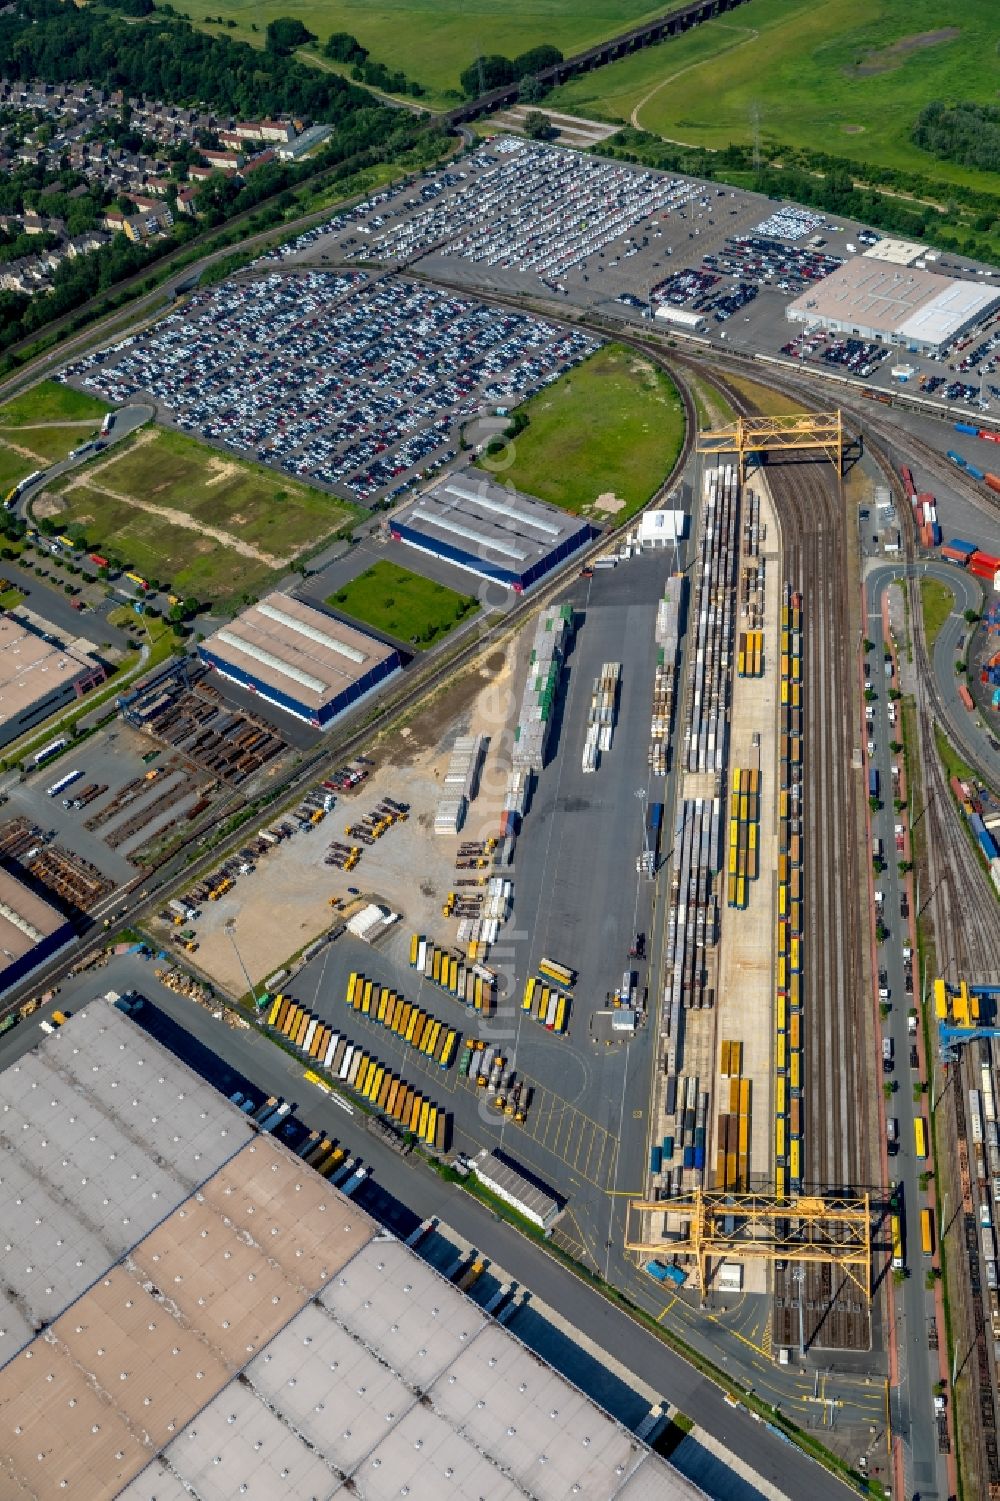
<point>629,906</point>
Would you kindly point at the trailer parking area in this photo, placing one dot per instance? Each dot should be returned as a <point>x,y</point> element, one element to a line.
<point>359,385</point>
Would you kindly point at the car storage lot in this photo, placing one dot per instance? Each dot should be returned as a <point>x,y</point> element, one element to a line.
<point>347,382</point>
<point>518,217</point>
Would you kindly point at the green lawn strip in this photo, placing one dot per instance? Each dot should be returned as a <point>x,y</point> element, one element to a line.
<point>11,598</point>
<point>403,604</point>
<point>612,426</point>
<point>50,401</point>
<point>848,77</point>
<point>937,601</point>
<point>950,759</point>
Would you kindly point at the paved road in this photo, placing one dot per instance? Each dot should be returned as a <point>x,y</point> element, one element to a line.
<point>414,1190</point>
<point>913,1399</point>
<point>965,730</point>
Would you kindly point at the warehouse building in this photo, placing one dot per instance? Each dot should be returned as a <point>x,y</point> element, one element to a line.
<point>487,530</point>
<point>891,304</point>
<point>31,930</point>
<point>188,1309</point>
<point>299,659</point>
<point>38,675</point>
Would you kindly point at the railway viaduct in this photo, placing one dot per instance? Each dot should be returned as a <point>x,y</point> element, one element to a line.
<point>646,35</point>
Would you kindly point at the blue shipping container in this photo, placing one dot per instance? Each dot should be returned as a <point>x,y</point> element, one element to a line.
<point>960,545</point>
<point>976,473</point>
<point>699,1157</point>
<point>668,1146</point>
<point>689,1156</point>
<point>956,458</point>
<point>935,534</point>
<point>873,782</point>
<point>966,427</point>
<point>655,1160</point>
<point>987,845</point>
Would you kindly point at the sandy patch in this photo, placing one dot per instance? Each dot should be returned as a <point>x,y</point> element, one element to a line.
<point>853,130</point>
<point>885,58</point>
<point>221,471</point>
<point>48,505</point>
<point>609,503</point>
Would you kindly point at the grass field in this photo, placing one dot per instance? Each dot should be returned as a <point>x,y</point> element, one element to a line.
<point>404,604</point>
<point>938,602</point>
<point>600,440</point>
<point>847,77</point>
<point>31,434</point>
<point>433,40</point>
<point>211,525</point>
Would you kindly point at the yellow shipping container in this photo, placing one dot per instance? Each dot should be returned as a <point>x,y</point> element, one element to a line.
<point>425,1110</point>
<point>529,991</point>
<point>724,1065</point>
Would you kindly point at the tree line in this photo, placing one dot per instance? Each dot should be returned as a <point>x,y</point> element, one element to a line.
<point>967,134</point>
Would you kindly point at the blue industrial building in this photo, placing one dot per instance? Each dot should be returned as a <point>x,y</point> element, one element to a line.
<point>299,659</point>
<point>487,530</point>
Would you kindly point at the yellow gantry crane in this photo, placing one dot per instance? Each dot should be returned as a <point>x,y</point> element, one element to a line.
<point>747,435</point>
<point>721,1225</point>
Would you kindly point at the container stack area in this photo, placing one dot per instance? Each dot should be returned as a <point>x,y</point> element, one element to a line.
<point>706,717</point>
<point>601,715</point>
<point>546,1004</point>
<point>472,984</point>
<point>732,1163</point>
<point>744,834</point>
<point>460,784</point>
<point>669,628</point>
<point>788,959</point>
<point>538,702</point>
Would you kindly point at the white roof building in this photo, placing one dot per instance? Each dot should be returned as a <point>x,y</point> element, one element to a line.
<point>894,304</point>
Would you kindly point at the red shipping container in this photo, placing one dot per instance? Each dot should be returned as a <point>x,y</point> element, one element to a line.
<point>990,437</point>
<point>992,482</point>
<point>984,566</point>
<point>924,497</point>
<point>966,697</point>
<point>927,536</point>
<point>954,556</point>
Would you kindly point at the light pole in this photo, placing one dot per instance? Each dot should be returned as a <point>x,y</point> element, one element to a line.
<point>230,927</point>
<point>799,1277</point>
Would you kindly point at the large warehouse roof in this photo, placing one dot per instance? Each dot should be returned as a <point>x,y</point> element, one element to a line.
<point>25,918</point>
<point>297,650</point>
<point>31,668</point>
<point>256,1335</point>
<point>895,301</point>
<point>502,528</point>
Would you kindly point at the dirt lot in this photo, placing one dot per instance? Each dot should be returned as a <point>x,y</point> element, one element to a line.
<point>284,904</point>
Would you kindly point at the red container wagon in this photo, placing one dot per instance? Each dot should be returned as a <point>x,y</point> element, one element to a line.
<point>992,481</point>
<point>990,437</point>
<point>984,566</point>
<point>907,479</point>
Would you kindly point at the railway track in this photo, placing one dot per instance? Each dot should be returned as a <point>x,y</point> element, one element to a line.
<point>837,1102</point>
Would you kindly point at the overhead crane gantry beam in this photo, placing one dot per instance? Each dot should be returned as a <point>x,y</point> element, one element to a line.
<point>809,430</point>
<point>727,1226</point>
